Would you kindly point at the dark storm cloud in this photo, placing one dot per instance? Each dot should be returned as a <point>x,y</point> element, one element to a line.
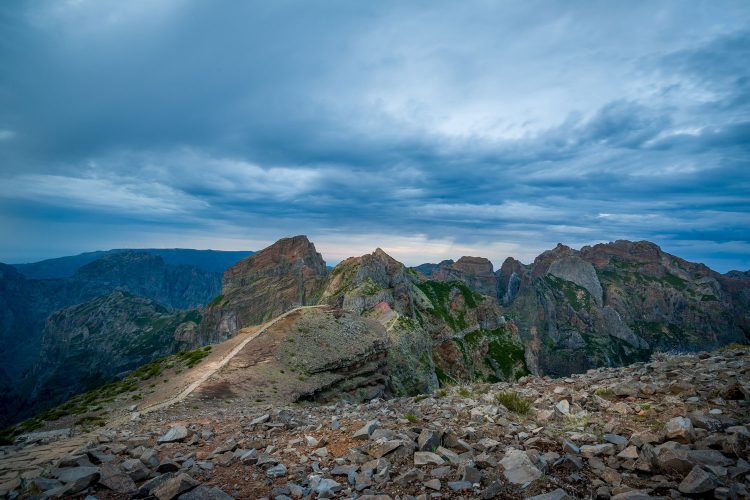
<point>490,128</point>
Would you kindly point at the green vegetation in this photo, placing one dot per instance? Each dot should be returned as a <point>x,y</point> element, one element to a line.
<point>443,378</point>
<point>367,287</point>
<point>577,296</point>
<point>412,418</point>
<point>503,352</point>
<point>513,402</point>
<point>93,400</point>
<point>192,358</point>
<point>439,295</point>
<point>216,300</point>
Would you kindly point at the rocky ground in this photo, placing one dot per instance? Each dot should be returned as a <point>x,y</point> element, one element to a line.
<point>677,426</point>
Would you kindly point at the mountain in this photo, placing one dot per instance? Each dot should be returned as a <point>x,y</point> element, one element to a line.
<point>215,261</point>
<point>615,303</point>
<point>86,345</point>
<point>26,304</point>
<point>436,331</point>
<point>286,274</point>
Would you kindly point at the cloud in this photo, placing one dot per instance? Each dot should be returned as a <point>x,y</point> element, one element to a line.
<point>439,128</point>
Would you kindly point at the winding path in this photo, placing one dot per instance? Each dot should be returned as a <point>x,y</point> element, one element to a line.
<point>218,366</point>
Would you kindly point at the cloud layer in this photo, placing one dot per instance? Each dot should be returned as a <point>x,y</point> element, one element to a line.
<point>431,129</point>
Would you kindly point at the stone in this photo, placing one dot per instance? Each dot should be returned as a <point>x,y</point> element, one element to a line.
<point>428,440</point>
<point>470,474</point>
<point>367,429</point>
<point>697,481</point>
<point>619,441</point>
<point>204,492</point>
<point>491,491</point>
<point>427,457</point>
<point>116,480</point>
<point>596,450</point>
<point>563,407</point>
<point>381,448</point>
<point>680,429</point>
<point>167,466</point>
<point>433,484</point>
<point>260,420</point>
<point>570,447</point>
<point>150,458</point>
<point>325,488</point>
<point>134,468</point>
<point>629,453</point>
<point>460,485</point>
<point>175,434</point>
<point>277,470</point>
<point>249,457</point>
<point>175,486</point>
<point>79,478</point>
<point>311,441</point>
<point>558,494</point>
<point>518,469</point>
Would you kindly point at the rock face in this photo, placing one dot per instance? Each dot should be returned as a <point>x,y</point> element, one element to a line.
<point>88,344</point>
<point>288,273</point>
<point>25,305</point>
<point>476,272</point>
<point>611,304</point>
<point>439,332</point>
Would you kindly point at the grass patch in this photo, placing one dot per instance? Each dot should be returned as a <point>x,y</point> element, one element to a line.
<point>513,402</point>
<point>412,418</point>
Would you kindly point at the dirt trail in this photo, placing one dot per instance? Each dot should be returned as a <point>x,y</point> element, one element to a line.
<point>29,460</point>
<point>209,369</point>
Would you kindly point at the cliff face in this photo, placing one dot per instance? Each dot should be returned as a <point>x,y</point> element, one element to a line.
<point>86,345</point>
<point>287,274</point>
<point>611,304</point>
<point>438,331</point>
<point>474,271</point>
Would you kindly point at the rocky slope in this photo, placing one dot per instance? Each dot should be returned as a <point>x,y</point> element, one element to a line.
<point>611,304</point>
<point>286,274</point>
<point>87,345</point>
<point>312,354</point>
<point>672,427</point>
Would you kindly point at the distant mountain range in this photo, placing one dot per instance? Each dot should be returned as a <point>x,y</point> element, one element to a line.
<point>215,261</point>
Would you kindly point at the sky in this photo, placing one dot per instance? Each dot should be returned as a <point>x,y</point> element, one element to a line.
<point>432,129</point>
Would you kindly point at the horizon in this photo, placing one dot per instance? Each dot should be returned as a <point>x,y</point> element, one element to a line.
<point>431,129</point>
<point>496,262</point>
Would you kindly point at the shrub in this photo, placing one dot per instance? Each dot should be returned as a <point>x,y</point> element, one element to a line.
<point>514,402</point>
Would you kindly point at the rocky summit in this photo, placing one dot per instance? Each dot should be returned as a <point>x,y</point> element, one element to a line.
<point>676,426</point>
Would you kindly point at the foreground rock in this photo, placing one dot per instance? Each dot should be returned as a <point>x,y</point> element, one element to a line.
<point>668,428</point>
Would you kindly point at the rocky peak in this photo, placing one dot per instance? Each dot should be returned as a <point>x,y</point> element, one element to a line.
<point>288,255</point>
<point>474,271</point>
<point>475,266</point>
<point>287,274</point>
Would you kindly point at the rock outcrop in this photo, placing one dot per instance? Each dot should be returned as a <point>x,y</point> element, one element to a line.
<point>477,272</point>
<point>284,275</point>
<point>440,332</point>
<point>612,304</point>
